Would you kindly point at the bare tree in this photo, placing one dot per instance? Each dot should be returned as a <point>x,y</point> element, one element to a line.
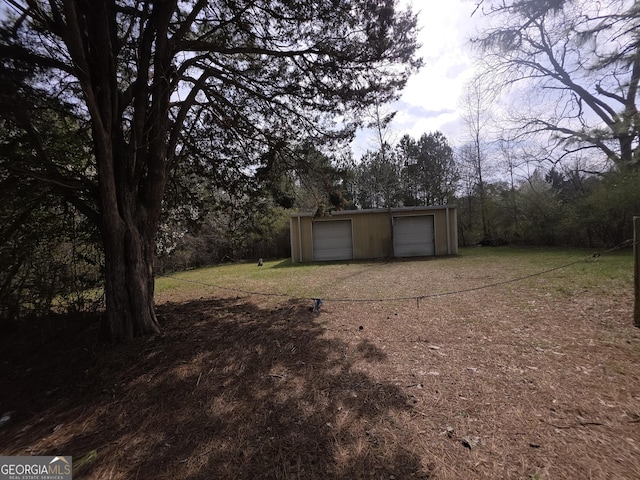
<point>383,160</point>
<point>582,60</point>
<point>476,113</point>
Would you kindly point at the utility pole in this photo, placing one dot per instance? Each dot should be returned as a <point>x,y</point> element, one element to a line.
<point>636,270</point>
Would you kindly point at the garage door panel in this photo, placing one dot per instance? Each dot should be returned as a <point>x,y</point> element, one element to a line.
<point>332,240</point>
<point>413,236</point>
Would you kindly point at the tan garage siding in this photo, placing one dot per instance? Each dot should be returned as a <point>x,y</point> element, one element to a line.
<point>371,235</point>
<point>372,231</point>
<point>301,243</point>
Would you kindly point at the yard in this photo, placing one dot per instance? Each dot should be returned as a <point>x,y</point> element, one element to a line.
<point>411,369</point>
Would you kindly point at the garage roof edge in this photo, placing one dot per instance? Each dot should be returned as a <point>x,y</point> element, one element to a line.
<point>375,210</point>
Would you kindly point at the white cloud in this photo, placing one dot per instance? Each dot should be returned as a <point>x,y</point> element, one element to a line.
<point>430,100</point>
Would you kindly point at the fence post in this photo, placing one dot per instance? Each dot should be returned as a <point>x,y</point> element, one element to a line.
<point>636,271</point>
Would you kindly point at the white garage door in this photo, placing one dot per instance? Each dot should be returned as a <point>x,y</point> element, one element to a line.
<point>332,240</point>
<point>413,236</point>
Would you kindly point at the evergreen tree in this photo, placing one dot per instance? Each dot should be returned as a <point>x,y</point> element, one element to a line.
<point>162,83</point>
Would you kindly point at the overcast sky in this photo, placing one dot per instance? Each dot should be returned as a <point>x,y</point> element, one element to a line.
<point>430,100</point>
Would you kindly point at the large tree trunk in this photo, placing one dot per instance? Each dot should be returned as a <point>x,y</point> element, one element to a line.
<point>131,206</point>
<point>131,209</point>
<point>131,153</point>
<point>129,284</point>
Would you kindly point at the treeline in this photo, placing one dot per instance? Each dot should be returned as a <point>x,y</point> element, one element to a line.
<point>553,208</point>
<point>548,207</point>
<point>561,205</point>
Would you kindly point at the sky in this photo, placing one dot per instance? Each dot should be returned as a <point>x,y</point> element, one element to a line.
<point>430,100</point>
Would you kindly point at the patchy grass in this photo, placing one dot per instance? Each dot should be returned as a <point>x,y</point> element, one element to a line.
<point>535,378</point>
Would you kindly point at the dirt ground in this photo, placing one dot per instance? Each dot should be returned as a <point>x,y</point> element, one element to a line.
<point>521,381</point>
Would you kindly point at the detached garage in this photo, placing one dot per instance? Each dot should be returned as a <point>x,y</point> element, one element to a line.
<point>362,234</point>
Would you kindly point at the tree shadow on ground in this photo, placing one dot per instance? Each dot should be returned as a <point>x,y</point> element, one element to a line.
<point>229,390</point>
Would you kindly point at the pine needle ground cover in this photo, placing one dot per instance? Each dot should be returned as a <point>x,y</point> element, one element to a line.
<point>497,363</point>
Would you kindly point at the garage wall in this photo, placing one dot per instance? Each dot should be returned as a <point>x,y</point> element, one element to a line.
<point>372,235</point>
<point>301,242</point>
